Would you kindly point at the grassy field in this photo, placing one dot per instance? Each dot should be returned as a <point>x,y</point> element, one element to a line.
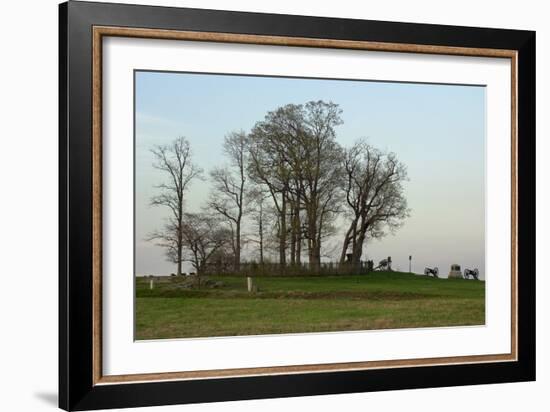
<point>379,300</point>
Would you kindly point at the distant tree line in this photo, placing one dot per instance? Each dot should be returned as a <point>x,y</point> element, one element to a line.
<point>289,180</point>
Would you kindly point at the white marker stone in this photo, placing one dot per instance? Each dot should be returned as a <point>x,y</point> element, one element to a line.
<point>455,272</point>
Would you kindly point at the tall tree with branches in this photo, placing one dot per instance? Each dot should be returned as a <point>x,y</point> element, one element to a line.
<point>295,154</point>
<point>227,198</point>
<point>267,167</point>
<point>374,196</point>
<point>174,160</point>
<point>317,166</point>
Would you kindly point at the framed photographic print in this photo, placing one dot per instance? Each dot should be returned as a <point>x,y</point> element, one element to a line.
<point>256,205</point>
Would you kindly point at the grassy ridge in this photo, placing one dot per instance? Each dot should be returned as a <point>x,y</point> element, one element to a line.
<point>306,304</point>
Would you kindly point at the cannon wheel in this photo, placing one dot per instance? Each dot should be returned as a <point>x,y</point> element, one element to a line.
<point>436,272</point>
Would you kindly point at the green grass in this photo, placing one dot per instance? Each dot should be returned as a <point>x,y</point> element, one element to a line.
<point>379,300</point>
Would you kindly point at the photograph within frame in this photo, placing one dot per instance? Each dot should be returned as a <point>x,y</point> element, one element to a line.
<point>374,295</point>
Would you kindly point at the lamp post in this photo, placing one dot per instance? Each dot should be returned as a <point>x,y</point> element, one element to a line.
<point>410,259</point>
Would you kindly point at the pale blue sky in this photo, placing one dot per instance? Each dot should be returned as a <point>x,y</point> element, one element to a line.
<point>437,131</point>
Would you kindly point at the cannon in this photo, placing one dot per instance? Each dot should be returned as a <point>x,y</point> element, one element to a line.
<point>473,273</point>
<point>432,271</point>
<point>384,264</point>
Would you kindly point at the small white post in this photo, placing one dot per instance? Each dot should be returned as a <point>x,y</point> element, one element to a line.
<point>249,283</point>
<point>151,284</point>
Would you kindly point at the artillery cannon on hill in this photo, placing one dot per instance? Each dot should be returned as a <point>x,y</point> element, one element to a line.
<point>384,264</point>
<point>473,273</point>
<point>432,271</point>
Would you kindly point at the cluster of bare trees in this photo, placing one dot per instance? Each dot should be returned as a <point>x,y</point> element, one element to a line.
<point>285,187</point>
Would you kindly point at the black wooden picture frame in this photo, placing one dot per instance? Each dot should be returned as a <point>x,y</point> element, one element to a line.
<point>78,387</point>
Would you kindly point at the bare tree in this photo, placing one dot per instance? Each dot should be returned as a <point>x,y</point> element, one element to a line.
<point>227,199</point>
<point>202,237</point>
<point>175,161</point>
<point>374,196</point>
<point>260,218</point>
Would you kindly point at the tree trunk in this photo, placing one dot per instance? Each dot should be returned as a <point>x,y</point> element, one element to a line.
<point>179,244</point>
<point>315,246</point>
<point>292,238</point>
<point>237,263</point>
<point>297,234</point>
<point>282,233</point>
<point>358,249</point>
<point>347,239</point>
<point>261,233</point>
<point>315,256</point>
<point>299,245</point>
<point>179,261</point>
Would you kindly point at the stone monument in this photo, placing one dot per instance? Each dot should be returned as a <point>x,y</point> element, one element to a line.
<point>455,272</point>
